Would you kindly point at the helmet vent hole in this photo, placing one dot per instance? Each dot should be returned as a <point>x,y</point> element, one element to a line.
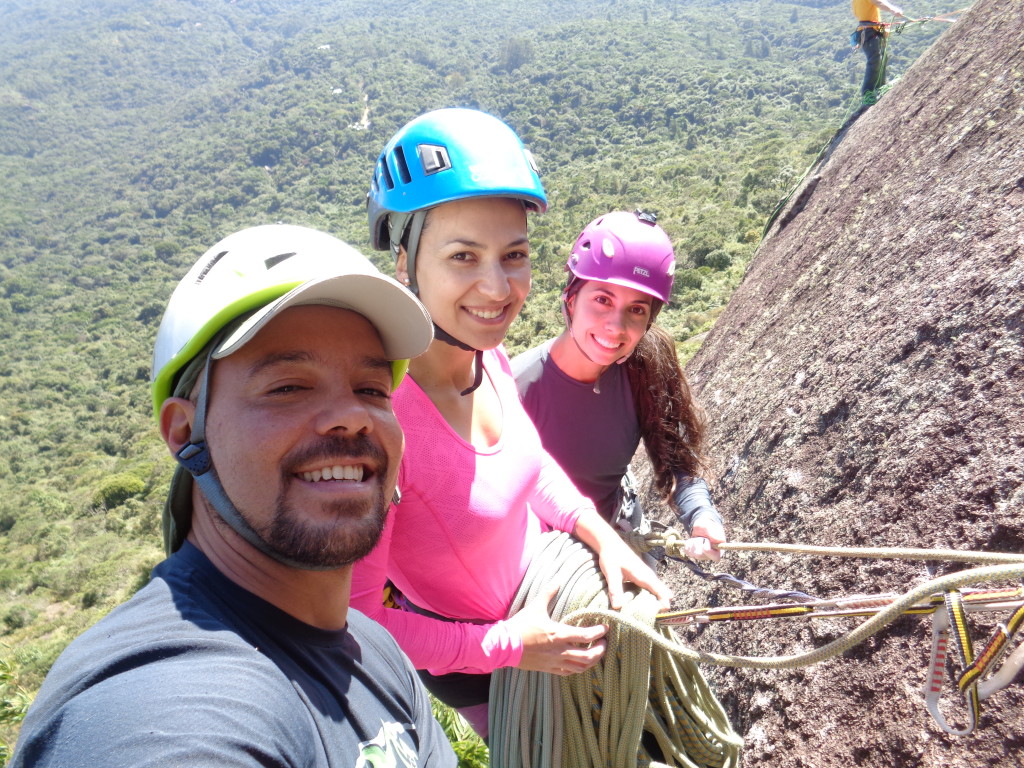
<point>433,158</point>
<point>273,261</point>
<point>389,183</point>
<point>212,263</point>
<point>402,166</point>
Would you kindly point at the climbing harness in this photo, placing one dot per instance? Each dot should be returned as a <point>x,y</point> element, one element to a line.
<point>641,705</point>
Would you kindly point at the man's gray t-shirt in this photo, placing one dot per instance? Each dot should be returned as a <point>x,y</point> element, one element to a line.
<point>195,670</point>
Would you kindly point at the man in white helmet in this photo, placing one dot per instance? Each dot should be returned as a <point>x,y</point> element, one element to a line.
<point>272,379</point>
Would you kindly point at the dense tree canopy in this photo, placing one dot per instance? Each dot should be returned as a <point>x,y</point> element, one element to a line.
<point>134,135</point>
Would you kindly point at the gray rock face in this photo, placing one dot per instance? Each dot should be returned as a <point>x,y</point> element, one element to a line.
<point>865,387</point>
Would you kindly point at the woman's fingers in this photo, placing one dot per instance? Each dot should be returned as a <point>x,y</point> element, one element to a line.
<point>582,659</point>
<point>620,564</point>
<point>553,647</point>
<point>699,548</point>
<point>703,544</point>
<point>655,586</point>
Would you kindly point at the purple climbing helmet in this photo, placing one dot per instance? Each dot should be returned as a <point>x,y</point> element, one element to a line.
<point>627,249</point>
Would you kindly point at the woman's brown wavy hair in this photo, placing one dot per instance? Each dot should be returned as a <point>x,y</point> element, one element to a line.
<point>671,421</point>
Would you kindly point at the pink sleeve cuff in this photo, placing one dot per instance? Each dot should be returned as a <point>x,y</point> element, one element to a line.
<point>485,648</point>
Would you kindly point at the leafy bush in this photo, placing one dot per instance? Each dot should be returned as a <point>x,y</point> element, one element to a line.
<point>18,616</point>
<point>52,541</point>
<point>718,259</point>
<point>468,747</point>
<point>14,702</point>
<point>117,489</point>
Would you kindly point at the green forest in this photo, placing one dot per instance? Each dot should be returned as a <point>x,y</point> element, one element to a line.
<point>134,135</point>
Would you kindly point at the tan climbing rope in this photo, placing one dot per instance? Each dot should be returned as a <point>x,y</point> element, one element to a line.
<point>642,705</point>
<point>890,553</point>
<point>647,702</point>
<point>674,544</point>
<point>945,598</point>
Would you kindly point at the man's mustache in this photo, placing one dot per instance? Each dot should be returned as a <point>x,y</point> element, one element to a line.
<point>330,448</point>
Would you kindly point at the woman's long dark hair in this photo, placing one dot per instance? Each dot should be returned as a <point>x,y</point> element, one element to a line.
<point>671,421</point>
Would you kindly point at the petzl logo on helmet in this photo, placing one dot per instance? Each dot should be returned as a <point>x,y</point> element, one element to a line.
<point>213,262</point>
<point>641,271</point>
<point>499,174</point>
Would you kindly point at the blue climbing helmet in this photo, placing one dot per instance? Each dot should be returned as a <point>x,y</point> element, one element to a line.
<point>445,155</point>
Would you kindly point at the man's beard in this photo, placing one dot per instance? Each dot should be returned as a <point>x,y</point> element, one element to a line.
<point>353,527</point>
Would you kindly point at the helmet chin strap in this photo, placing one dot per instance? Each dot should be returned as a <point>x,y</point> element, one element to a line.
<point>410,227</point>
<point>195,457</point>
<point>478,358</point>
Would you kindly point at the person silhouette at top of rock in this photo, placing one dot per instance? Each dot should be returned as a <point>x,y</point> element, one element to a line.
<point>871,36</point>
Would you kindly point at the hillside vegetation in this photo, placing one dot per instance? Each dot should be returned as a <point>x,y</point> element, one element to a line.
<point>134,135</point>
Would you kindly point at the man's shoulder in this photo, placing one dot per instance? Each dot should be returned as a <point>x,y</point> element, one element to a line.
<point>161,640</point>
<point>367,631</point>
<point>144,673</point>
<point>379,657</point>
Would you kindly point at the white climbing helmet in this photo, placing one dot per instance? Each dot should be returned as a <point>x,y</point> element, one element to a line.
<point>265,269</point>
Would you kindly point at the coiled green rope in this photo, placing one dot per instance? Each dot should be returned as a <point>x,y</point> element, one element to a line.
<point>648,682</point>
<point>599,718</point>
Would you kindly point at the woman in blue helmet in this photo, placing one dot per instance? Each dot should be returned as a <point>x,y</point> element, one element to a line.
<point>449,198</point>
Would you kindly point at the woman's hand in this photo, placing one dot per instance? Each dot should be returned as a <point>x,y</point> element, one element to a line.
<point>555,648</point>
<point>618,562</point>
<point>704,540</point>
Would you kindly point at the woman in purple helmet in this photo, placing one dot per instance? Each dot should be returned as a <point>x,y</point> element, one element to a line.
<point>612,377</point>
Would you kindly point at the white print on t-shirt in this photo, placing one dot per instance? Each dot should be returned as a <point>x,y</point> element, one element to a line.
<point>387,749</point>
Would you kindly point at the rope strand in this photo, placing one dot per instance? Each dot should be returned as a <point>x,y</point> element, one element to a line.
<point>885,553</point>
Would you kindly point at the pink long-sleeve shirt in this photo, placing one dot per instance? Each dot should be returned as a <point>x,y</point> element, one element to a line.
<point>459,542</point>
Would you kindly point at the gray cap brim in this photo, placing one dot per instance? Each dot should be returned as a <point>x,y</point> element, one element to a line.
<point>401,321</point>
